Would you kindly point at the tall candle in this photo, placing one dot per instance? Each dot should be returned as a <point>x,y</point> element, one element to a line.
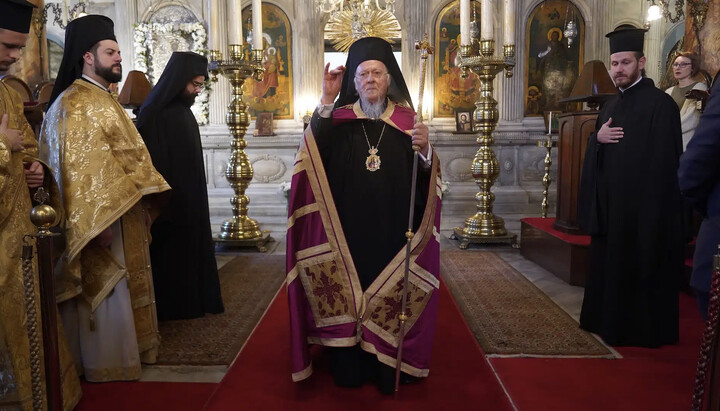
<point>257,25</point>
<point>486,23</point>
<point>235,19</point>
<point>509,22</point>
<point>214,26</point>
<point>464,22</point>
<point>550,113</point>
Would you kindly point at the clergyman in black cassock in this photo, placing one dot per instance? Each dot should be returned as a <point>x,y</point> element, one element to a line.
<point>182,251</point>
<point>630,204</point>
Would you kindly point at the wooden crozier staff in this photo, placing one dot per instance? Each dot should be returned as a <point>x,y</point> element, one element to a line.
<point>425,52</point>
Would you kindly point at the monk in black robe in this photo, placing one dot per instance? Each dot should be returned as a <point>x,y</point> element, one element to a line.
<point>631,206</point>
<point>182,251</point>
<point>369,170</point>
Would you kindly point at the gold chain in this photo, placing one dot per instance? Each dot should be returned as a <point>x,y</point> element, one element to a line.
<point>377,146</point>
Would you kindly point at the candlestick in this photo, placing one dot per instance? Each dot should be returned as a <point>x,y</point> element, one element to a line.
<point>486,21</point>
<point>547,144</point>
<point>235,18</point>
<point>240,230</point>
<point>257,25</point>
<point>484,227</point>
<point>465,22</point>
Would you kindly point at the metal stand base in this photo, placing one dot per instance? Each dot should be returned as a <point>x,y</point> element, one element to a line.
<point>465,240</point>
<point>258,242</point>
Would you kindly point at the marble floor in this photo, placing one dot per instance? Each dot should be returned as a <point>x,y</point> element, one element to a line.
<point>568,297</point>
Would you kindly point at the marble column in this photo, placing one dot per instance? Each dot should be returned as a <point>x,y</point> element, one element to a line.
<point>602,24</point>
<point>308,48</point>
<point>511,93</point>
<point>220,95</point>
<point>126,15</point>
<point>653,50</point>
<point>414,24</point>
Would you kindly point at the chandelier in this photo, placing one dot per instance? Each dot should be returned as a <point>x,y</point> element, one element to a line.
<point>363,8</point>
<point>570,31</point>
<point>354,19</point>
<point>655,11</point>
<point>62,14</point>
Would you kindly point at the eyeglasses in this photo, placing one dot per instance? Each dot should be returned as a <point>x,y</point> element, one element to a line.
<point>198,85</point>
<point>679,65</point>
<point>368,74</point>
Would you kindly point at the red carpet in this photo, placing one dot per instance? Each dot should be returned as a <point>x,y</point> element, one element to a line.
<point>644,379</point>
<point>144,396</point>
<point>460,377</point>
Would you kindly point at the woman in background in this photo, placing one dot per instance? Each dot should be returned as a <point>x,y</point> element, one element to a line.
<point>687,92</point>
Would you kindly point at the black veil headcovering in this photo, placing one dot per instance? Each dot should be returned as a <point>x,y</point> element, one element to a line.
<point>372,48</point>
<point>180,69</point>
<point>80,36</point>
<point>16,15</point>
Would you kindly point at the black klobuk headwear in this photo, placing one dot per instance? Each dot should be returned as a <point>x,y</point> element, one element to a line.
<point>373,48</point>
<point>182,67</point>
<point>81,35</point>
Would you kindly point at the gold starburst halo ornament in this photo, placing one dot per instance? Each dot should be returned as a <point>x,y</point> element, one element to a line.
<point>352,24</point>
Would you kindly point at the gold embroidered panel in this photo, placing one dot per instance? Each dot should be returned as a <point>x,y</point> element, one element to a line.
<point>328,290</point>
<point>381,315</point>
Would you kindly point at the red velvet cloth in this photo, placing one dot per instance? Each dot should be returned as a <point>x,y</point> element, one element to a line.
<point>546,224</point>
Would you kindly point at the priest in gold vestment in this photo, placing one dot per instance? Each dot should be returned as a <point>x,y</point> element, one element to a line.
<point>107,182</point>
<point>20,171</point>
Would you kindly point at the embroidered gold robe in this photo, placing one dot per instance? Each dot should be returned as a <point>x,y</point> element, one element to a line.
<point>15,205</point>
<point>103,170</point>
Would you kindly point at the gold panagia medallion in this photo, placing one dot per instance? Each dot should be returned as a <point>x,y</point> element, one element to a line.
<point>372,163</point>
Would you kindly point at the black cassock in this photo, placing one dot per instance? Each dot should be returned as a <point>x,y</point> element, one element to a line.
<point>373,206</point>
<point>630,204</point>
<point>182,250</point>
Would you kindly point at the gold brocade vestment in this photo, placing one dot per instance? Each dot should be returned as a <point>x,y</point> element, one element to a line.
<point>15,205</point>
<point>103,170</point>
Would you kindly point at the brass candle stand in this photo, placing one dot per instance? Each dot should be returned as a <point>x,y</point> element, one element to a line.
<point>240,230</point>
<point>548,143</point>
<point>485,227</point>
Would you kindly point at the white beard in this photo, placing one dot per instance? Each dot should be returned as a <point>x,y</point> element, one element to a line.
<point>373,110</point>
